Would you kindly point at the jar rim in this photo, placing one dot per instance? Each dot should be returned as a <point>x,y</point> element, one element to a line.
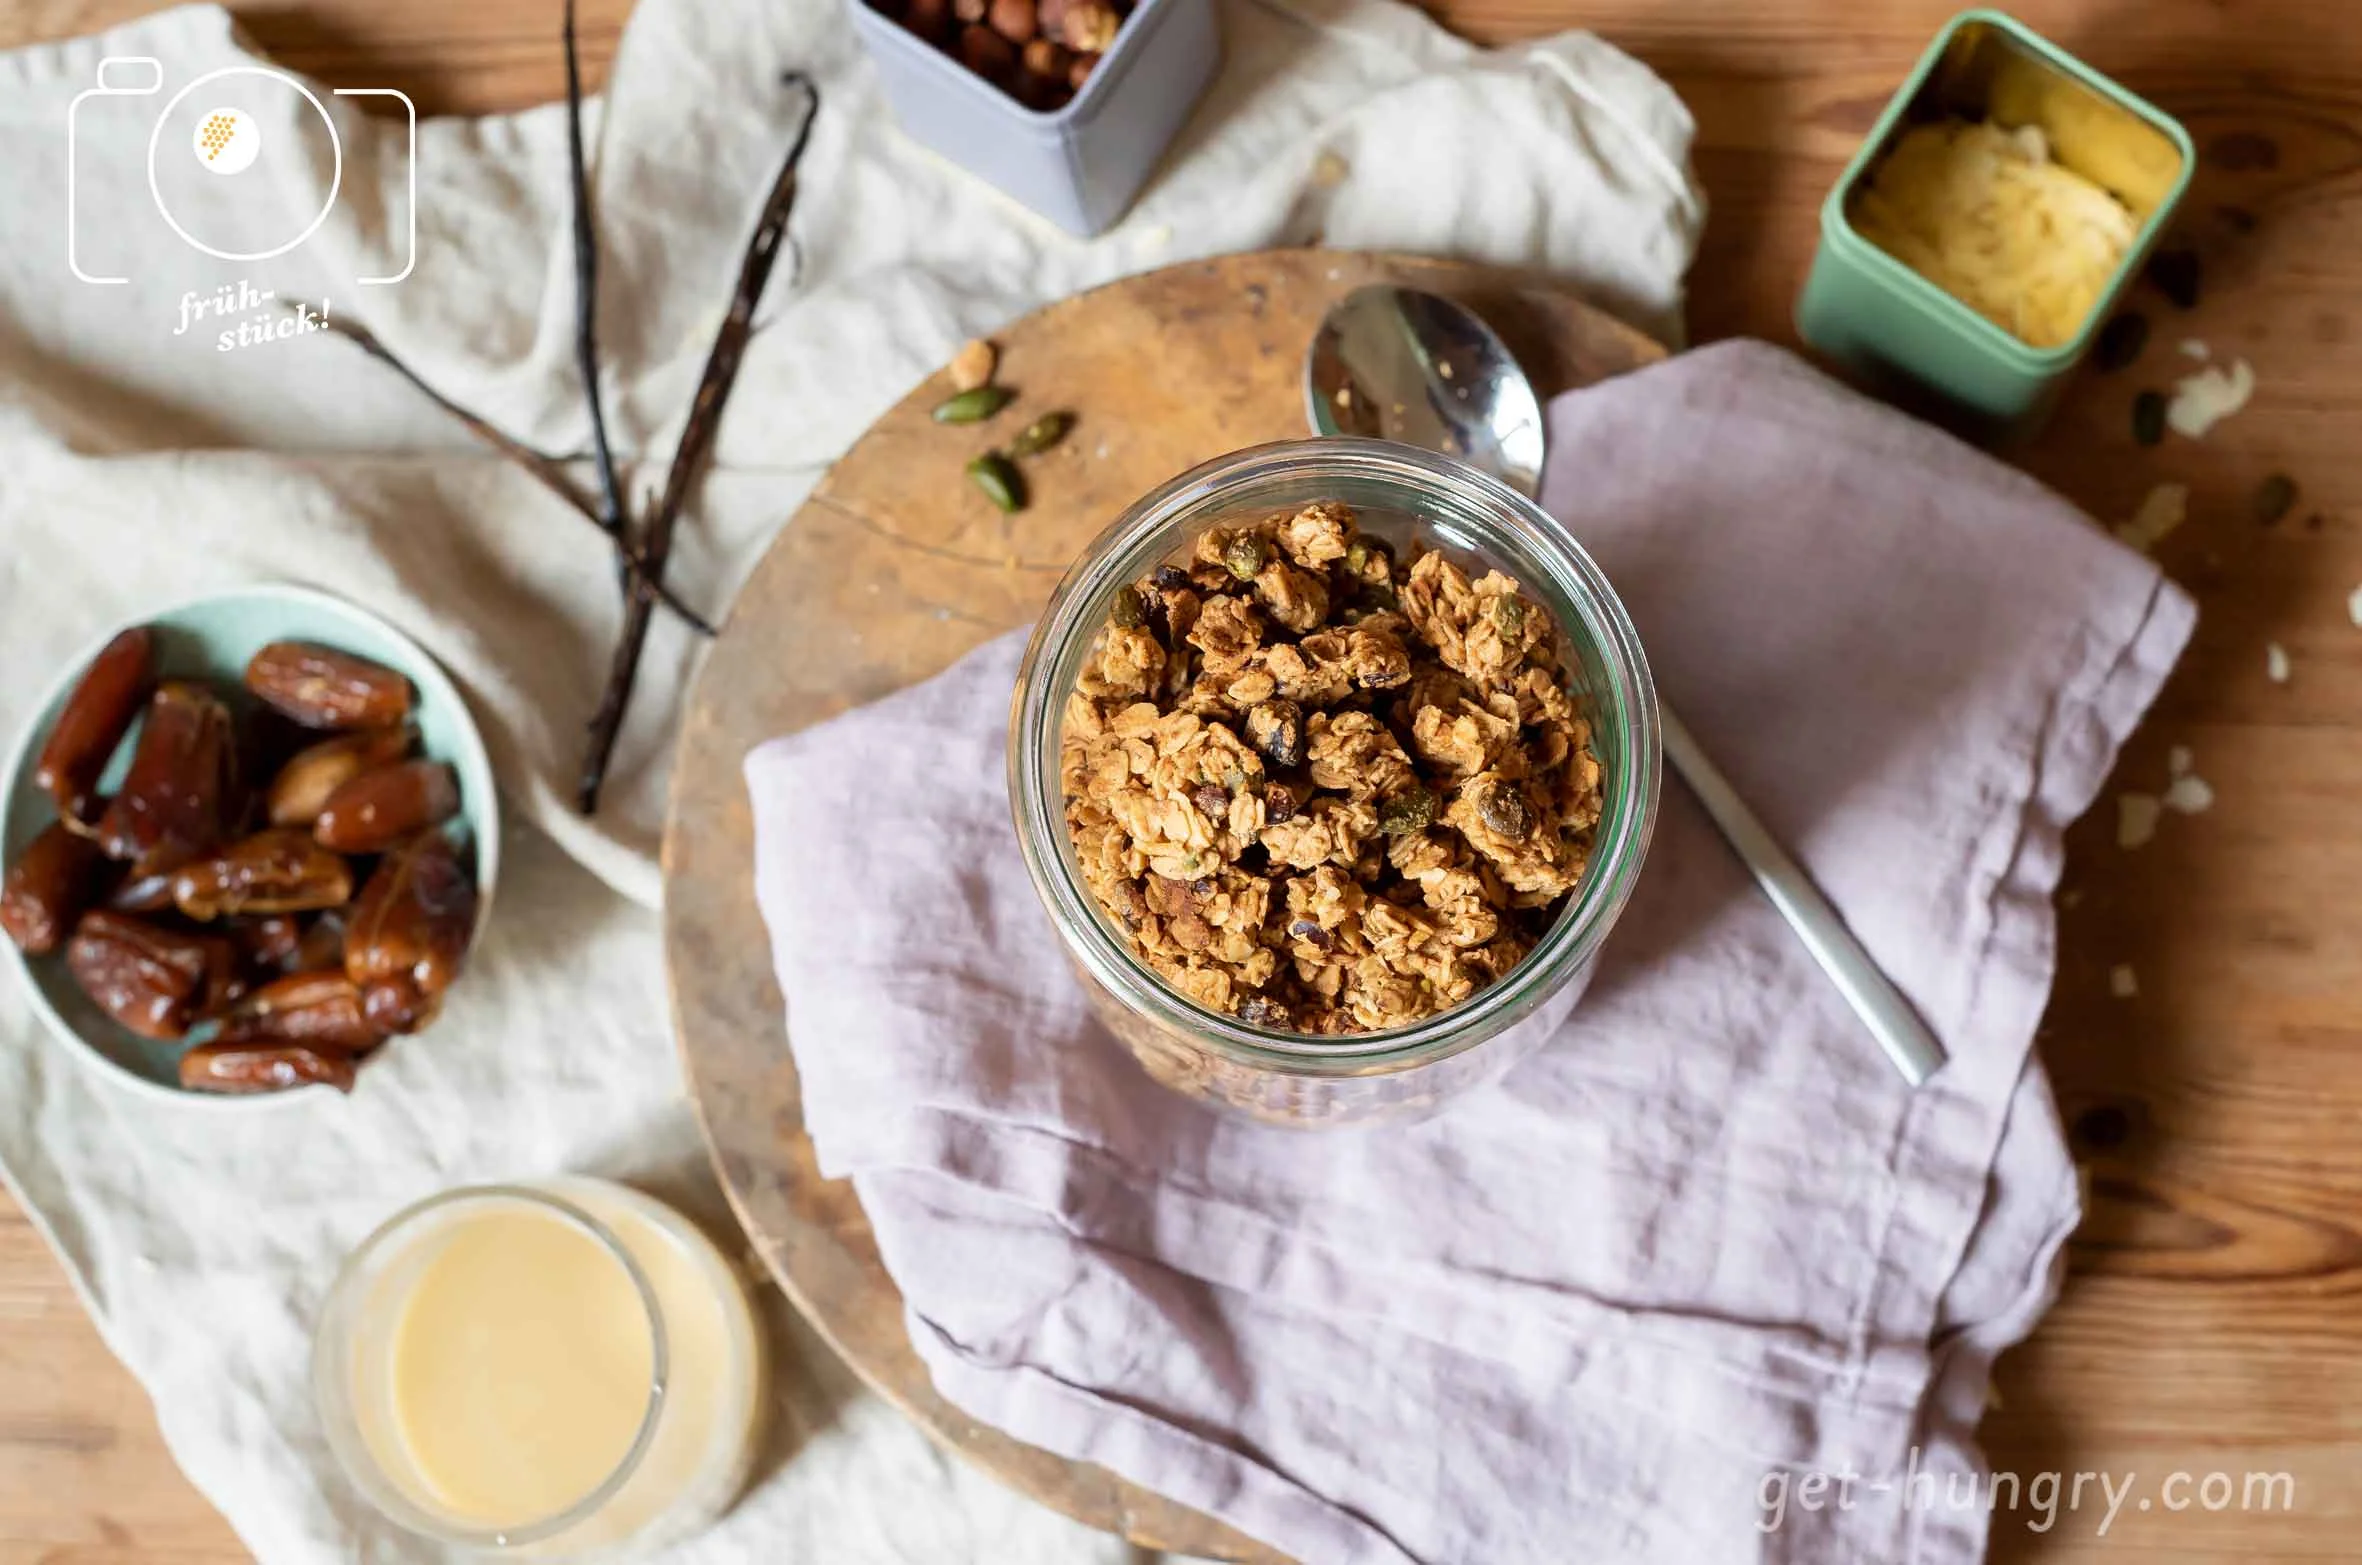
<point>1580,596</point>
<point>331,1353</point>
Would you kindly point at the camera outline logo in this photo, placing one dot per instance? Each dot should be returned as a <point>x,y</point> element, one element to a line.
<point>226,142</point>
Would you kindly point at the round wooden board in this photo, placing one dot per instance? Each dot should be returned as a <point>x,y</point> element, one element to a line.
<point>892,570</point>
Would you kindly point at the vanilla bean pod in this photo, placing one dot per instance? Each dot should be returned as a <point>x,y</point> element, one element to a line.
<point>697,438</point>
<point>540,464</point>
<point>586,304</point>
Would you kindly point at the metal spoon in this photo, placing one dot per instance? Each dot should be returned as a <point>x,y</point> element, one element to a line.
<point>1400,364</point>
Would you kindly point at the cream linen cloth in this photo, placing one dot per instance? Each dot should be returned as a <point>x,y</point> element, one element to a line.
<point>138,465</point>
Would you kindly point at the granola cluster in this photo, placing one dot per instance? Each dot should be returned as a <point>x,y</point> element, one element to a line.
<point>1325,789</point>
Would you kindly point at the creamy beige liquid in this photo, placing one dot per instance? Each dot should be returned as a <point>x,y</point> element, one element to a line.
<point>521,1365</point>
<point>504,1364</point>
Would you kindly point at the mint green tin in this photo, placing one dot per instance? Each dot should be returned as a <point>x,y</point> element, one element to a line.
<point>1870,312</point>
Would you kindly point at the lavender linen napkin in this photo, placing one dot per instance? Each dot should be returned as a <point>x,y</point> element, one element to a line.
<point>1703,1244</point>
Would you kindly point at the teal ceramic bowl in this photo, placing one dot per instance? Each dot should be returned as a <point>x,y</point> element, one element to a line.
<point>1885,322</point>
<point>211,638</point>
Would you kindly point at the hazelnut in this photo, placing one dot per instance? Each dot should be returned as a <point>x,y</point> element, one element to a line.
<point>1089,26</point>
<point>1080,71</point>
<point>986,52</point>
<point>1012,19</point>
<point>929,19</point>
<point>1047,60</point>
<point>1050,16</point>
<point>973,365</point>
<point>969,10</point>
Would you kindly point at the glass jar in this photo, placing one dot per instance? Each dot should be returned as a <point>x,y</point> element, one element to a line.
<point>1399,493</point>
<point>563,1370</point>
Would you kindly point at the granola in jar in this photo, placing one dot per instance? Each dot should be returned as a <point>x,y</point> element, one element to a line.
<point>1324,788</point>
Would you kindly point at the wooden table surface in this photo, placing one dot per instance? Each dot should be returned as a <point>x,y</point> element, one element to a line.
<point>2213,1322</point>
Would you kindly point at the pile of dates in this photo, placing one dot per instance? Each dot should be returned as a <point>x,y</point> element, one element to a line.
<point>1039,52</point>
<point>272,883</point>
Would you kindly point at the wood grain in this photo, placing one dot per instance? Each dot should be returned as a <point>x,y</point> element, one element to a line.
<point>2212,1321</point>
<point>84,1477</point>
<point>891,571</point>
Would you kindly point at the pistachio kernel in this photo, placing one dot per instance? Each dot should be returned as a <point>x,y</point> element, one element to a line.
<point>1408,811</point>
<point>1041,434</point>
<point>972,407</point>
<point>999,480</point>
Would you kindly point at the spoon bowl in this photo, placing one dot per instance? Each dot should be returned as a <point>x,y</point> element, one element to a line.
<point>1399,364</point>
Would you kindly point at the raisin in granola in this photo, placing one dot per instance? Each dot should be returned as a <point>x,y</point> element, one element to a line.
<point>1325,785</point>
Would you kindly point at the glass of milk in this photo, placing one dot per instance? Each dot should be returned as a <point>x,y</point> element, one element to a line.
<point>561,1370</point>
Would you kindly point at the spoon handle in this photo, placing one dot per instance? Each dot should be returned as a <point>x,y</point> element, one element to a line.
<point>1873,996</point>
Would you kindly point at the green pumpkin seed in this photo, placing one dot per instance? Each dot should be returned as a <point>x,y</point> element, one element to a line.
<point>1503,809</point>
<point>999,481</point>
<point>1246,556</point>
<point>1041,434</point>
<point>973,407</point>
<point>1129,612</point>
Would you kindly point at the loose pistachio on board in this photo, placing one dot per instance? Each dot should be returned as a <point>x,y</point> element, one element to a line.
<point>975,397</point>
<point>972,406</point>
